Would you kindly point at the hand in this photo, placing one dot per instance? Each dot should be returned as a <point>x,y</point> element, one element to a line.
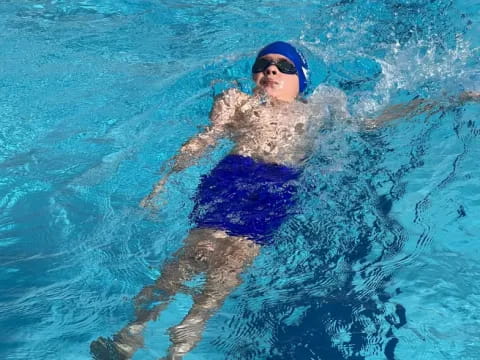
<point>467,96</point>
<point>371,124</point>
<point>147,202</point>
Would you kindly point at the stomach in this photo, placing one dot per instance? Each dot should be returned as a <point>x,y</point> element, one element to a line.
<point>273,146</point>
<point>273,157</point>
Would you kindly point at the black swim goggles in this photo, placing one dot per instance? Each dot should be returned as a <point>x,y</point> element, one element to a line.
<point>282,65</point>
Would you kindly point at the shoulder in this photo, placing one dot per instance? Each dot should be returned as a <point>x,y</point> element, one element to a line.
<point>226,104</point>
<point>231,97</point>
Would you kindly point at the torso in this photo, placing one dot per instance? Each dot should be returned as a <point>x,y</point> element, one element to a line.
<point>271,131</point>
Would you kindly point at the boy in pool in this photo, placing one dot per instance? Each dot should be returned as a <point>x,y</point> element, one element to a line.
<point>239,204</point>
<point>242,202</point>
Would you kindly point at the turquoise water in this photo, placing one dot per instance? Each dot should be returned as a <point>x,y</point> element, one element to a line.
<point>95,96</point>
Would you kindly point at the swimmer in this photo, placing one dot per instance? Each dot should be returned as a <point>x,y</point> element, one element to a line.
<point>268,129</point>
<point>244,199</point>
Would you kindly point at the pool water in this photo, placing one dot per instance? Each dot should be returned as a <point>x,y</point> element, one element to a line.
<point>96,96</point>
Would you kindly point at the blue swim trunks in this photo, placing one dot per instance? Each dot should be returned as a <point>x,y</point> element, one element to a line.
<point>245,197</point>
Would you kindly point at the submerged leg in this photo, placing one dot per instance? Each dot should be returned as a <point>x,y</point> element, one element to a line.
<point>187,262</point>
<point>229,258</point>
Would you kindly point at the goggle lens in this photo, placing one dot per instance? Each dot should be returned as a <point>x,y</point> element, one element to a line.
<point>282,65</point>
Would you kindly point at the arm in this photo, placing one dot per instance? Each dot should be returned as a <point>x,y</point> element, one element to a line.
<point>412,108</point>
<point>469,96</point>
<point>419,106</point>
<point>222,112</point>
<point>191,150</point>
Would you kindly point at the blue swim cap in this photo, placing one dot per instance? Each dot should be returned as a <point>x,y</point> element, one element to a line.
<point>294,55</point>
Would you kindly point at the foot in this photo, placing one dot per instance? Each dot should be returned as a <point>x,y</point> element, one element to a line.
<point>184,337</point>
<point>130,336</point>
<point>123,345</point>
<point>107,349</point>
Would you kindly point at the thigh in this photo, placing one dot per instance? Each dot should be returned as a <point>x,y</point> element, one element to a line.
<point>232,255</point>
<point>220,256</point>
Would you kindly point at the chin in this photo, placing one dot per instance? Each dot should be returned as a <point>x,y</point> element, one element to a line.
<point>271,92</point>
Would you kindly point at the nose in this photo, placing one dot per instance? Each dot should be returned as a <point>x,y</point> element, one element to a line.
<point>271,70</point>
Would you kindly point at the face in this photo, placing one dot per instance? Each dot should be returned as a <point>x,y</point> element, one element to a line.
<point>275,83</point>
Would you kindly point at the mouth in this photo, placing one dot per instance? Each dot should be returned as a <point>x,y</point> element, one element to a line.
<point>270,83</point>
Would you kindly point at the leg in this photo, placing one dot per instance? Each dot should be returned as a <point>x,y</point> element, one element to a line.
<point>187,262</point>
<point>229,258</point>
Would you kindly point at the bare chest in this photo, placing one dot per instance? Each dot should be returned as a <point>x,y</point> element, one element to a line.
<point>268,121</point>
<point>273,134</point>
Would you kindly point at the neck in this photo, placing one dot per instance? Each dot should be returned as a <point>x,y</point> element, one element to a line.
<point>272,100</point>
